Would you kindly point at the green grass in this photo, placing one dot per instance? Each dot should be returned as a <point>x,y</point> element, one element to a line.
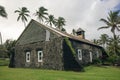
<point>4,62</point>
<point>91,73</point>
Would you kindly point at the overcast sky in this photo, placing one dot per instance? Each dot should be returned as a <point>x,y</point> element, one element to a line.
<point>78,13</point>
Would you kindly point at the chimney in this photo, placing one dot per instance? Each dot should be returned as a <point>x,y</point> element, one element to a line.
<point>80,33</point>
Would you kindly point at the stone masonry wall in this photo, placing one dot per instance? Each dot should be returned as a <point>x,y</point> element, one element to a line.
<point>52,54</point>
<point>86,49</point>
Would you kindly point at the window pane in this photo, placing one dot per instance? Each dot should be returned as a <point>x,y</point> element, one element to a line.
<point>40,56</point>
<point>79,54</point>
<point>27,56</point>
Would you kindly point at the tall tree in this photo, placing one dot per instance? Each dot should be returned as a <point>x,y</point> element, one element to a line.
<point>73,31</point>
<point>95,41</point>
<point>104,40</point>
<point>23,14</point>
<point>3,12</point>
<point>60,22</point>
<point>50,20</point>
<point>114,46</point>
<point>40,13</point>
<point>112,21</point>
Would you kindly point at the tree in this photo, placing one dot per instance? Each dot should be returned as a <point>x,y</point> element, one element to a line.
<point>104,39</point>
<point>95,41</point>
<point>73,31</point>
<point>9,45</point>
<point>40,13</point>
<point>112,21</point>
<point>3,12</point>
<point>50,20</point>
<point>23,14</point>
<point>60,22</point>
<point>114,46</point>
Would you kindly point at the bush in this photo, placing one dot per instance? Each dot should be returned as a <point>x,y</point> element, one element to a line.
<point>97,61</point>
<point>112,59</point>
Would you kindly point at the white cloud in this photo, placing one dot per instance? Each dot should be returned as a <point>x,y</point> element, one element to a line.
<point>78,13</point>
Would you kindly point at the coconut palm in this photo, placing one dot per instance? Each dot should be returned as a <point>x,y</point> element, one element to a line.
<point>50,20</point>
<point>95,41</point>
<point>114,45</point>
<point>112,21</point>
<point>23,14</point>
<point>104,39</point>
<point>40,13</point>
<point>3,12</point>
<point>60,22</point>
<point>73,31</point>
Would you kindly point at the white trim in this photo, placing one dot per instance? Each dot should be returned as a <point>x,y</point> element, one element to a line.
<point>79,54</point>
<point>27,56</point>
<point>40,56</point>
<point>90,56</point>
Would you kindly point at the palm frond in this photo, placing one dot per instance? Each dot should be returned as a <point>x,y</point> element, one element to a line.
<point>104,27</point>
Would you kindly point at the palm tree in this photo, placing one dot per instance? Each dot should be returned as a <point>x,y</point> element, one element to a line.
<point>95,41</point>
<point>114,45</point>
<point>50,20</point>
<point>41,14</point>
<point>73,31</point>
<point>3,12</point>
<point>23,14</point>
<point>60,22</point>
<point>112,21</point>
<point>104,39</point>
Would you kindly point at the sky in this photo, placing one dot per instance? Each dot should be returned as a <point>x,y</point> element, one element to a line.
<point>77,13</point>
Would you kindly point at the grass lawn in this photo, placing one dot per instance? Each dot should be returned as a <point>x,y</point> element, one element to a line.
<point>4,62</point>
<point>91,73</point>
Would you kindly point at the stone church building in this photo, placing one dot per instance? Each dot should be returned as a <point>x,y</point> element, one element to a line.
<point>40,46</point>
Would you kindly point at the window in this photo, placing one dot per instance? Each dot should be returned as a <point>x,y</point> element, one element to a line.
<point>27,56</point>
<point>79,54</point>
<point>40,56</point>
<point>90,56</point>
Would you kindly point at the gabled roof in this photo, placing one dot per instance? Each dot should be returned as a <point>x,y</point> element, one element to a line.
<point>60,33</point>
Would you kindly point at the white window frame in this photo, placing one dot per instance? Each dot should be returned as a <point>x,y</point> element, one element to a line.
<point>40,52</point>
<point>28,57</point>
<point>79,54</point>
<point>91,56</point>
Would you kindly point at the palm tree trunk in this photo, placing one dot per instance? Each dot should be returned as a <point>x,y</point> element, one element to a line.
<point>114,36</point>
<point>24,24</point>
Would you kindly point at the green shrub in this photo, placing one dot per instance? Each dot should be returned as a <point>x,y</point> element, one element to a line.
<point>97,61</point>
<point>112,59</point>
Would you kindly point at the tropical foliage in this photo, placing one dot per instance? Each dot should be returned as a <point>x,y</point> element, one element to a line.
<point>60,22</point>
<point>41,14</point>
<point>23,14</point>
<point>112,21</point>
<point>3,12</point>
<point>50,20</point>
